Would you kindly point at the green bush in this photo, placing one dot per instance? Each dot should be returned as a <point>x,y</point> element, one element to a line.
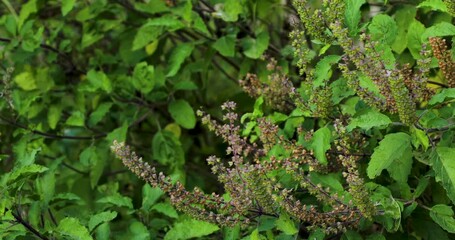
<point>334,93</point>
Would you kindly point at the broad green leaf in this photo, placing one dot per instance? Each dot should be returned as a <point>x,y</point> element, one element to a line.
<point>99,80</point>
<point>441,29</point>
<point>421,186</point>
<point>100,218</point>
<point>226,45</point>
<point>436,5</point>
<point>444,169</point>
<point>139,231</point>
<point>321,143</point>
<point>150,196</point>
<point>167,149</point>
<point>441,97</point>
<point>166,209</point>
<point>89,156</point>
<point>402,17</point>
<point>376,236</point>
<point>353,15</point>
<point>323,70</point>
<point>232,9</point>
<point>190,228</point>
<point>415,31</point>
<point>286,225</point>
<point>145,35</point>
<point>178,56</point>
<point>182,113</point>
<point>67,6</point>
<point>26,10</point>
<point>26,81</point>
<point>317,234</point>
<point>117,200</point>
<point>368,120</point>
<point>394,148</point>
<point>199,24</point>
<point>327,180</point>
<point>45,187</point>
<point>72,228</point>
<point>185,85</point>
<point>152,6</point>
<point>76,119</point>
<point>25,171</point>
<point>254,48</point>
<point>118,134</point>
<point>99,113</point>
<point>97,167</point>
<point>32,40</point>
<point>351,235</point>
<point>143,77</point>
<point>443,215</point>
<point>419,137</point>
<point>383,28</point>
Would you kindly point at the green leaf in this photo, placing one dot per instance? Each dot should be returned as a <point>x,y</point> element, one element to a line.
<point>415,31</point>
<point>190,228</point>
<point>383,28</point>
<point>166,209</point>
<point>167,148</point>
<point>139,231</point>
<point>100,218</point>
<point>352,15</point>
<point>118,134</point>
<point>351,235</point>
<point>117,200</point>
<point>72,228</point>
<point>178,56</point>
<point>99,80</point>
<point>232,9</point>
<point>444,169</point>
<point>323,70</point>
<point>185,85</point>
<point>45,187</point>
<point>441,97</point>
<point>150,196</point>
<point>441,29</point>
<point>369,119</point>
<point>25,171</point>
<point>321,143</point>
<point>435,5</point>
<point>26,81</point>
<point>225,45</point>
<point>254,48</point>
<point>26,10</point>
<point>146,34</point>
<point>394,148</point>
<point>53,116</point>
<point>143,77</point>
<point>402,17</point>
<point>99,113</point>
<point>182,113</point>
<point>317,234</point>
<point>443,215</point>
<point>76,119</point>
<point>89,156</point>
<point>67,6</point>
<point>286,225</point>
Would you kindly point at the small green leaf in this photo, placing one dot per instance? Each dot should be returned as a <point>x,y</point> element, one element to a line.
<point>185,85</point>
<point>443,215</point>
<point>146,34</point>
<point>100,218</point>
<point>53,116</point>
<point>383,28</point>
<point>444,169</point>
<point>67,6</point>
<point>26,81</point>
<point>45,187</point>
<point>232,9</point>
<point>351,235</point>
<point>368,120</point>
<point>25,171</point>
<point>415,31</point>
<point>321,143</point>
<point>226,45</point>
<point>435,5</point>
<point>71,227</point>
<point>166,209</point>
<point>190,228</point>
<point>150,196</point>
<point>178,56</point>
<point>441,97</point>
<point>441,29</point>
<point>143,77</point>
<point>394,148</point>
<point>182,113</point>
<point>323,70</point>
<point>99,80</point>
<point>26,10</point>
<point>139,231</point>
<point>99,113</point>
<point>254,48</point>
<point>353,15</point>
<point>117,200</point>
<point>286,225</point>
<point>118,134</point>
<point>167,148</point>
<point>76,119</point>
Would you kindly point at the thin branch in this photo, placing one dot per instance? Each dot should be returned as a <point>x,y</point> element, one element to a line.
<point>27,225</point>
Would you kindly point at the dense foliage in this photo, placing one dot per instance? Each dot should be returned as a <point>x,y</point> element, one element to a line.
<point>307,119</point>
